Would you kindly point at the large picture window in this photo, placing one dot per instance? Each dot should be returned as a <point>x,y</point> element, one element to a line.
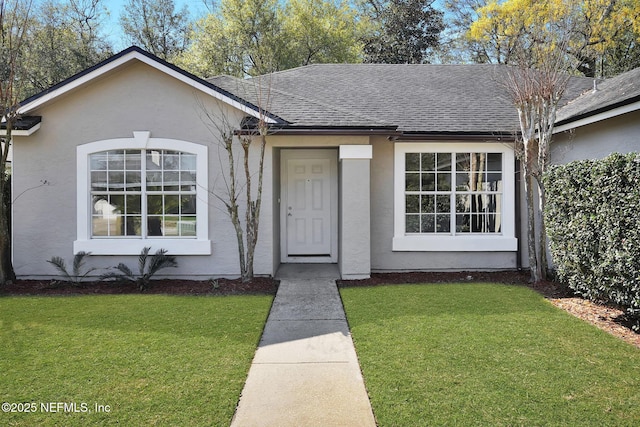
<point>453,193</point>
<point>454,197</point>
<point>142,191</point>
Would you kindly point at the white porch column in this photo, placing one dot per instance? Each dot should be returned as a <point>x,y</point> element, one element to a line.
<point>355,212</point>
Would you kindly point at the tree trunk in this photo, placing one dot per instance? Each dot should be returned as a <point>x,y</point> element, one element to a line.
<point>6,267</point>
<point>531,229</point>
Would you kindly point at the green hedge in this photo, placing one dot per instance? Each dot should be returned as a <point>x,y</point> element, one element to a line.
<point>593,221</point>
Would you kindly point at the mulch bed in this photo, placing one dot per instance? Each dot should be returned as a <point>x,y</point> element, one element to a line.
<point>610,319</point>
<point>259,285</point>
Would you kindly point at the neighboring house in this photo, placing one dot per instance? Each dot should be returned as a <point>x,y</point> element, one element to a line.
<point>372,167</point>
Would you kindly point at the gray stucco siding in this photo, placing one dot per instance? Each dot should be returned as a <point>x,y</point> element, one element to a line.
<point>620,134</point>
<point>136,97</point>
<point>384,258</point>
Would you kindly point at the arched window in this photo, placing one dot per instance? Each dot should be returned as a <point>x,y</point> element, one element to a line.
<point>142,191</point>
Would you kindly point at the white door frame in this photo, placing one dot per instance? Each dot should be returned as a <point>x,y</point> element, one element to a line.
<point>332,156</point>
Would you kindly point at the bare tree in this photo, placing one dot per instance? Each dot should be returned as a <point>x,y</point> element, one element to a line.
<point>157,26</point>
<point>14,19</point>
<point>536,90</point>
<point>243,193</point>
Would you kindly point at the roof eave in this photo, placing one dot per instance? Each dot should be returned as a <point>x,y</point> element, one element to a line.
<point>135,53</point>
<point>607,112</point>
<point>25,126</point>
<point>455,136</point>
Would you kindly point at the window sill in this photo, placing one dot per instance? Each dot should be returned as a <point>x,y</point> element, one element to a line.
<point>455,244</point>
<point>135,246</point>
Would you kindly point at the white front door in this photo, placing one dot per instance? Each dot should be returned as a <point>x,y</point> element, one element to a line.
<point>309,205</point>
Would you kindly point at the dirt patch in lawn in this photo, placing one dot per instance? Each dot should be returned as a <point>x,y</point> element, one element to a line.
<point>607,318</point>
<point>259,285</point>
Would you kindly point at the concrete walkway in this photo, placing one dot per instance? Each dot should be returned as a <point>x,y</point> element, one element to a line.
<point>305,371</point>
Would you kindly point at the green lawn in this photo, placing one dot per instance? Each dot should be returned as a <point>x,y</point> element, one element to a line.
<point>487,354</point>
<point>154,360</point>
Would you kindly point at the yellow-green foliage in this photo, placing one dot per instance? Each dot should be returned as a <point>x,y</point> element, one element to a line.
<point>585,28</point>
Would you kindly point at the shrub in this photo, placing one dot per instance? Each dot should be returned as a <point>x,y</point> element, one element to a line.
<point>157,262</point>
<point>593,220</point>
<point>76,276</point>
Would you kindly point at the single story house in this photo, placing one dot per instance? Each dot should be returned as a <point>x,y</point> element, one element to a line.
<point>373,167</point>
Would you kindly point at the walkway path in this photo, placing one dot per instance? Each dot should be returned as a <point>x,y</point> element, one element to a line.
<point>305,371</point>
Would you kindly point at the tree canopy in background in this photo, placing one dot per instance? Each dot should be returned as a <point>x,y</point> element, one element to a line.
<point>602,35</point>
<point>403,31</point>
<point>252,37</point>
<point>157,27</point>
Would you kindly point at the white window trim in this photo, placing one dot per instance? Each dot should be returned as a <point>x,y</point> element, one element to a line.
<point>504,241</point>
<point>201,245</point>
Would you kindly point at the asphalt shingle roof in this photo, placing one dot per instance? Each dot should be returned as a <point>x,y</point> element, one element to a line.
<point>456,99</point>
<point>610,93</point>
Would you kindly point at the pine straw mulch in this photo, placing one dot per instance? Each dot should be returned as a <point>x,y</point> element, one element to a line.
<point>608,318</point>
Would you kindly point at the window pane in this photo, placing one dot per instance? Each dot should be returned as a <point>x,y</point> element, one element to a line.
<point>154,160</point>
<point>443,203</point>
<point>428,182</point>
<point>187,181</point>
<point>412,224</point>
<point>154,181</point>
<point>428,161</point>
<point>170,226</point>
<point>133,204</point>
<point>188,226</point>
<point>428,223</point>
<point>171,181</point>
<point>133,181</point>
<point>427,203</point>
<point>98,161</point>
<point>412,162</point>
<point>494,182</point>
<point>412,182</point>
<point>117,202</point>
<point>494,162</point>
<point>443,223</point>
<point>444,182</point>
<point>463,162</point>
<point>412,203</point>
<point>116,160</point>
<point>172,204</point>
<point>99,181</point>
<point>170,160</point>
<point>188,205</point>
<point>463,223</point>
<point>133,160</point>
<point>188,162</point>
<point>444,161</point>
<point>115,181</point>
<point>133,226</point>
<point>154,205</point>
<point>154,225</point>
<point>463,203</point>
<point>462,181</point>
